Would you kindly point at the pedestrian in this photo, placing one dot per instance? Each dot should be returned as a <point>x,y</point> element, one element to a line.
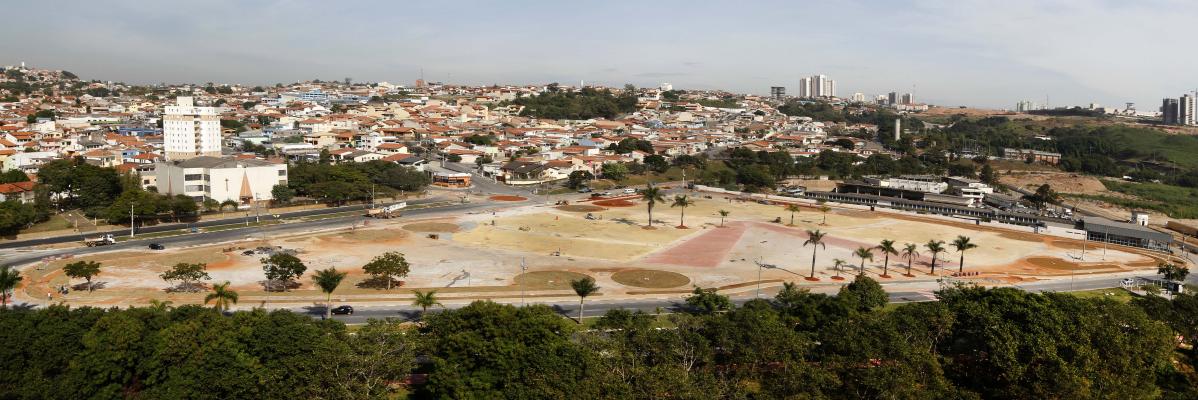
<point>49,296</point>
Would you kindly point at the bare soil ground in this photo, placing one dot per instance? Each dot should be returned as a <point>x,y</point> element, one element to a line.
<point>1062,182</point>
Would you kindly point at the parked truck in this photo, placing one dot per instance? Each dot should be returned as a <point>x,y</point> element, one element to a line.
<point>105,240</point>
<point>391,211</point>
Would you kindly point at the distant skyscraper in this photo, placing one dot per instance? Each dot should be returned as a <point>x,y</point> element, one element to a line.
<point>858,98</point>
<point>778,92</point>
<point>817,86</point>
<point>665,87</point>
<point>1185,110</point>
<point>892,98</point>
<point>189,131</point>
<point>908,99</point>
<point>1170,111</point>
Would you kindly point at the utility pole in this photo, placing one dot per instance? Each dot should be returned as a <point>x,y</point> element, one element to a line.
<point>523,270</point>
<point>131,220</point>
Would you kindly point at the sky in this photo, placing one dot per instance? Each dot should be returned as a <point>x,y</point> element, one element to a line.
<point>954,52</point>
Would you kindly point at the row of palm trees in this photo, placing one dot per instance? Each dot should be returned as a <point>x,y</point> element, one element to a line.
<point>910,251</point>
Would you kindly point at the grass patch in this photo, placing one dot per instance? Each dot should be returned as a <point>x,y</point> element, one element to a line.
<point>547,279</point>
<point>1174,201</point>
<point>652,279</point>
<point>1118,295</point>
<point>55,223</point>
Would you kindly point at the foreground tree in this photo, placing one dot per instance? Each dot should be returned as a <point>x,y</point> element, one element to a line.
<point>887,249</point>
<point>389,265</point>
<point>583,288</point>
<point>9,279</point>
<point>815,239</point>
<point>222,297</point>
<point>723,214</point>
<point>1172,272</point>
<point>935,247</point>
<point>283,268</point>
<point>707,301</point>
<point>82,269</point>
<point>189,276</point>
<point>682,201</point>
<point>651,196</point>
<point>328,280</point>
<point>961,243</point>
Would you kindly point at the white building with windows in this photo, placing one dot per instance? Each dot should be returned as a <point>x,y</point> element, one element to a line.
<point>190,131</point>
<point>221,178</point>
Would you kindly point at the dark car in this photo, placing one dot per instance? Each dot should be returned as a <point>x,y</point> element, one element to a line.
<point>156,246</point>
<point>343,310</point>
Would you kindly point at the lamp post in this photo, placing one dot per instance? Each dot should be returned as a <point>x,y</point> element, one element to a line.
<point>131,224</point>
<point>523,270</point>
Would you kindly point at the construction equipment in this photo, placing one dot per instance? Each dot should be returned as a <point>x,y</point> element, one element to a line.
<point>105,240</point>
<point>391,211</point>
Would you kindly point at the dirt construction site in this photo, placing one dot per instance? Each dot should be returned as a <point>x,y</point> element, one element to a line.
<point>539,249</point>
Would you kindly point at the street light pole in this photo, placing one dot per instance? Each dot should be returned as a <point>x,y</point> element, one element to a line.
<point>131,220</point>
<point>523,270</point>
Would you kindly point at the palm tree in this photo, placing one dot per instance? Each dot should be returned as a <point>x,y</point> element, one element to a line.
<point>160,305</point>
<point>936,247</point>
<point>961,243</point>
<point>651,196</point>
<point>9,278</point>
<point>222,295</point>
<point>910,250</point>
<point>815,239</point>
<point>792,208</point>
<point>887,248</point>
<point>583,287</point>
<point>328,280</point>
<point>723,214</point>
<point>824,209</point>
<point>424,300</point>
<point>864,254</point>
<point>682,201</point>
<point>837,264</point>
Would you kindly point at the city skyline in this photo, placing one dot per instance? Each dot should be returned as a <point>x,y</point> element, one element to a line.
<point>948,53</point>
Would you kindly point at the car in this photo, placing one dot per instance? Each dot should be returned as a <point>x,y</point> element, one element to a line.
<point>156,246</point>
<point>605,194</point>
<point>342,310</point>
<point>584,190</point>
<point>629,191</point>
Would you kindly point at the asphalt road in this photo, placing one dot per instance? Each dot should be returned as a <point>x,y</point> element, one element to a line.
<point>597,307</point>
<point>119,233</point>
<point>22,257</point>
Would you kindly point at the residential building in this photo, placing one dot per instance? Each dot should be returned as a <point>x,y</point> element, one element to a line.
<point>1170,110</point>
<point>1185,110</point>
<point>190,131</point>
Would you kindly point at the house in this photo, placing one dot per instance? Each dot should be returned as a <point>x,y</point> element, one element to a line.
<point>407,160</point>
<point>354,155</point>
<point>521,173</point>
<point>220,178</point>
<point>20,191</point>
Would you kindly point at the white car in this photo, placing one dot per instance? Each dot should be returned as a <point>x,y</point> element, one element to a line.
<point>629,191</point>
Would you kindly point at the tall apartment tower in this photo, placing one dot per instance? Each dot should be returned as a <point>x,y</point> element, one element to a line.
<point>829,88</point>
<point>805,88</point>
<point>1169,111</point>
<point>908,99</point>
<point>817,86</point>
<point>778,92</point>
<point>1185,110</point>
<point>190,131</point>
<point>892,98</point>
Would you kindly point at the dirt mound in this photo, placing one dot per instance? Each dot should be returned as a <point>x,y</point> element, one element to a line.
<point>432,227</point>
<point>614,203</point>
<point>580,208</point>
<point>507,198</point>
<point>651,279</point>
<point>1061,182</point>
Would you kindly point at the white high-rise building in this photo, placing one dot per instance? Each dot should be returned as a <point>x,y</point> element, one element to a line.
<point>1185,111</point>
<point>817,86</point>
<point>190,131</point>
<point>858,97</point>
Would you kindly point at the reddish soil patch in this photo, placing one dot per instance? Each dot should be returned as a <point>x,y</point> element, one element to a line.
<point>811,279</point>
<point>507,198</point>
<point>614,203</point>
<point>706,250</point>
<point>580,208</point>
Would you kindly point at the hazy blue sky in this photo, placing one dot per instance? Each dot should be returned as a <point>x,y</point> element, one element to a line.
<point>954,52</point>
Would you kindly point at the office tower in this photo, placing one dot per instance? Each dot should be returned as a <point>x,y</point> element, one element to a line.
<point>908,99</point>
<point>190,131</point>
<point>1169,111</point>
<point>778,92</point>
<point>1185,110</point>
<point>892,98</point>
